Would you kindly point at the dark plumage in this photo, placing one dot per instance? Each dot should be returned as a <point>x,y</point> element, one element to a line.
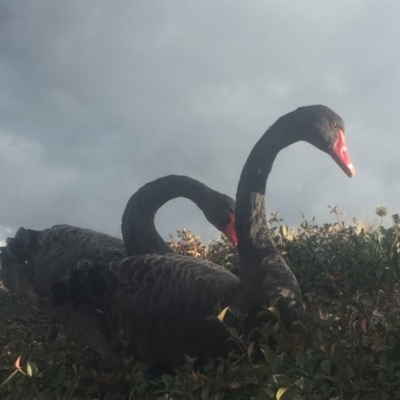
<point>34,261</point>
<point>163,302</point>
<point>49,253</point>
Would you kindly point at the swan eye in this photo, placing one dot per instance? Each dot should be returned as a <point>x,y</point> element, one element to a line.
<point>334,125</point>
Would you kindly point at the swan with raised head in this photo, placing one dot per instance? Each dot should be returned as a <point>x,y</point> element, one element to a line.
<point>163,302</point>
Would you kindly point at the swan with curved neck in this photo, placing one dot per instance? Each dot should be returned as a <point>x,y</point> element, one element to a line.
<point>34,261</point>
<point>263,272</point>
<point>49,253</point>
<point>138,230</point>
<point>163,302</point>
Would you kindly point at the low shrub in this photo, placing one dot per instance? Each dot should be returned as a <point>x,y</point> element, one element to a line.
<point>346,345</point>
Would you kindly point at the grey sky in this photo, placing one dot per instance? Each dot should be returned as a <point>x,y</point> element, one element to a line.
<point>99,97</point>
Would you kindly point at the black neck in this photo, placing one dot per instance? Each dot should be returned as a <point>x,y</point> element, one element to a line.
<point>254,240</point>
<point>138,229</point>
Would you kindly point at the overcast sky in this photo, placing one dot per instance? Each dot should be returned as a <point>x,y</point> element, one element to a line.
<point>98,97</point>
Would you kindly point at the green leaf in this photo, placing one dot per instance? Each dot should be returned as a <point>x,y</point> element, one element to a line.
<point>326,366</point>
<point>277,364</point>
<point>233,332</point>
<point>281,379</point>
<point>220,369</point>
<point>304,384</point>
<point>301,358</point>
<point>205,392</point>
<point>31,369</point>
<point>250,349</point>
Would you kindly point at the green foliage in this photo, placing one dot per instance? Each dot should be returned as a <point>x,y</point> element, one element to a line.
<point>346,344</point>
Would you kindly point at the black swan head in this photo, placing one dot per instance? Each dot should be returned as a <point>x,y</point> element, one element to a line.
<point>324,129</point>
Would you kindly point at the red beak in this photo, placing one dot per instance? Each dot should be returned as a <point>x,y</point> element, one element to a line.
<point>230,231</point>
<point>339,153</point>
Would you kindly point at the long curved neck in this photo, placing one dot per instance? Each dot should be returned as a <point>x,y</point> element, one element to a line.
<point>138,229</point>
<point>255,244</point>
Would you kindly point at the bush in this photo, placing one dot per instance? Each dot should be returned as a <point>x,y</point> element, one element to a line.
<point>346,344</point>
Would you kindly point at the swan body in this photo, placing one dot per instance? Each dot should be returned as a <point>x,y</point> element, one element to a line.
<point>48,254</point>
<point>163,301</point>
<point>34,261</point>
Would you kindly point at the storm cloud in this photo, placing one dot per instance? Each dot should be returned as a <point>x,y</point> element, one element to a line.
<point>97,98</point>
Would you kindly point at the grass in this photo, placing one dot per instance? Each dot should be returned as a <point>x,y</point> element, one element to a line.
<point>345,346</point>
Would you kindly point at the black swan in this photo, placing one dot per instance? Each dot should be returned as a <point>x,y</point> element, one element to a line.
<point>49,253</point>
<point>138,231</point>
<point>163,302</point>
<point>33,261</point>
